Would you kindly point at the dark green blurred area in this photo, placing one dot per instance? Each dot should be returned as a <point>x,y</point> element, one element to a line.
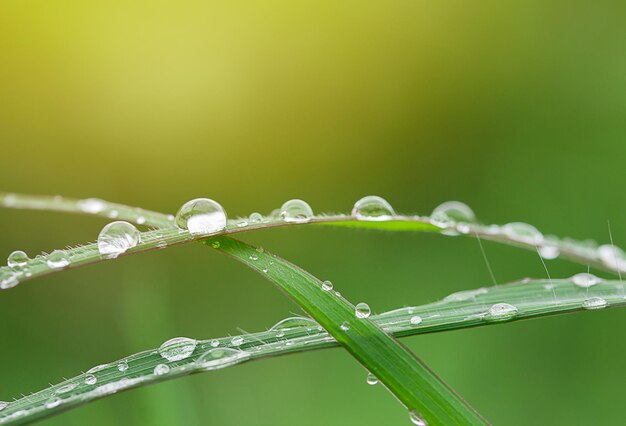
<point>516,108</point>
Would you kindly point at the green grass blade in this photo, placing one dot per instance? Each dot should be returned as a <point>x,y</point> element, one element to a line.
<point>418,388</point>
<point>532,299</point>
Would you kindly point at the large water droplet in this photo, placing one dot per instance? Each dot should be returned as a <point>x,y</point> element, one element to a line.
<point>177,348</point>
<point>161,370</point>
<point>416,419</point>
<point>373,208</point>
<point>58,259</point>
<point>595,303</point>
<point>523,231</point>
<point>371,379</point>
<point>296,211</point>
<point>17,258</point>
<point>501,312</point>
<point>452,211</point>
<point>220,357</point>
<point>612,256</point>
<point>92,205</point>
<point>201,216</point>
<point>585,280</point>
<point>294,322</point>
<point>362,310</point>
<point>117,237</point>
<point>8,279</point>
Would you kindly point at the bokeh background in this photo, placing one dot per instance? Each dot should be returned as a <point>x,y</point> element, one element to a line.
<point>516,108</point>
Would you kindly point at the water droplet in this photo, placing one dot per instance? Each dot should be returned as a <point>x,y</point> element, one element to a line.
<point>220,357</point>
<point>612,256</point>
<point>97,368</point>
<point>253,257</point>
<point>3,405</point>
<point>296,211</point>
<point>461,296</point>
<point>595,303</point>
<point>415,320</point>
<point>452,211</point>
<point>90,379</point>
<point>92,205</point>
<point>66,388</point>
<point>501,312</point>
<point>523,231</point>
<point>242,223</point>
<point>585,280</point>
<point>416,419</point>
<point>371,379</point>
<point>549,252</point>
<point>236,341</point>
<point>8,279</point>
<point>140,220</point>
<point>201,216</point>
<point>122,366</point>
<point>327,285</point>
<point>117,237</point>
<point>215,343</point>
<point>17,258</point>
<point>58,259</point>
<point>362,310</point>
<point>256,218</point>
<point>177,348</point>
<point>294,322</point>
<point>265,270</point>
<point>345,326</point>
<point>372,208</point>
<point>55,401</point>
<point>161,370</point>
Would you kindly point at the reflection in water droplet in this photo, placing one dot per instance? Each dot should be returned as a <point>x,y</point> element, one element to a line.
<point>362,310</point>
<point>373,208</point>
<point>201,216</point>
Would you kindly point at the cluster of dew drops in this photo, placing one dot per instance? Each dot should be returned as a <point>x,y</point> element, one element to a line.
<point>203,216</point>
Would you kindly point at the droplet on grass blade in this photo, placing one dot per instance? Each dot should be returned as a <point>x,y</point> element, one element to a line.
<point>201,216</point>
<point>296,211</point>
<point>177,348</point>
<point>116,238</point>
<point>372,208</point>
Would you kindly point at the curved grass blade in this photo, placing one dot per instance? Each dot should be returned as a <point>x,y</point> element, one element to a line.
<point>532,299</point>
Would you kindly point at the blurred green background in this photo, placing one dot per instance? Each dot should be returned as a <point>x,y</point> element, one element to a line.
<point>516,108</point>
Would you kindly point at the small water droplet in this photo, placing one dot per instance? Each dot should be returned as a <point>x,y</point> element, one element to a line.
<point>242,223</point>
<point>92,205</point>
<point>373,208</point>
<point>17,258</point>
<point>416,419</point>
<point>296,211</point>
<point>122,366</point>
<point>345,326</point>
<point>58,259</point>
<point>371,379</point>
<point>177,348</point>
<point>523,231</point>
<point>116,238</point>
<point>327,285</point>
<point>256,218</point>
<point>595,303</point>
<point>8,279</point>
<point>141,220</point>
<point>585,280</point>
<point>253,257</point>
<point>265,270</point>
<point>161,370</point>
<point>549,252</point>
<point>90,379</point>
<point>220,357</point>
<point>215,343</point>
<point>66,388</point>
<point>415,320</point>
<point>236,341</point>
<point>3,405</point>
<point>55,401</point>
<point>201,216</point>
<point>362,310</point>
<point>501,312</point>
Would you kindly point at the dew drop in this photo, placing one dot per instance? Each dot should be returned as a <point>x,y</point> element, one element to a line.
<point>122,366</point>
<point>296,211</point>
<point>237,341</point>
<point>3,405</point>
<point>362,310</point>
<point>416,419</point>
<point>201,216</point>
<point>501,312</point>
<point>612,256</point>
<point>177,348</point>
<point>372,208</point>
<point>58,259</point>
<point>55,401</point>
<point>327,285</point>
<point>294,322</point>
<point>345,326</point>
<point>585,280</point>
<point>215,343</point>
<point>90,379</point>
<point>371,379</point>
<point>253,257</point>
<point>549,252</point>
<point>8,279</point>
<point>452,211</point>
<point>140,220</point>
<point>242,223</point>
<point>523,231</point>
<point>116,238</point>
<point>17,258</point>
<point>256,218</point>
<point>415,320</point>
<point>161,370</point>
<point>595,303</point>
<point>66,388</point>
<point>92,205</point>
<point>220,357</point>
